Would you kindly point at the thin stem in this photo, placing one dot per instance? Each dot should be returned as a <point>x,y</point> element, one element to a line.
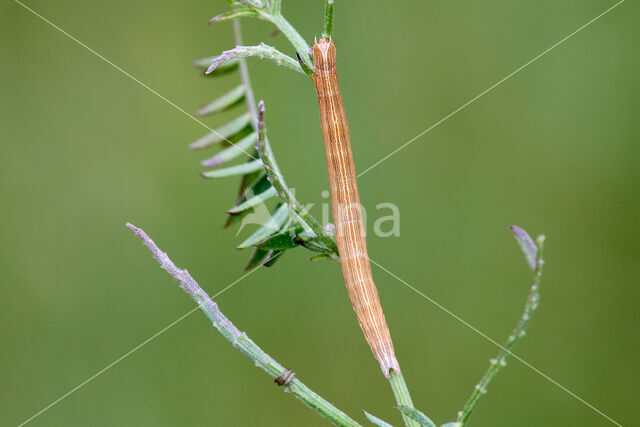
<point>241,341</point>
<point>328,19</point>
<point>501,360</point>
<point>244,76</point>
<point>401,393</point>
<point>294,37</point>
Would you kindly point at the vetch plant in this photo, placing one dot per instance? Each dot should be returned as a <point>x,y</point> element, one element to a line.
<point>290,225</point>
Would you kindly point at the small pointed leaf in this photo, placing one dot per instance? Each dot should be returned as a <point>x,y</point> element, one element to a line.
<point>320,257</point>
<point>241,147</point>
<point>257,258</point>
<point>529,248</point>
<point>261,51</point>
<point>281,241</point>
<point>228,67</point>
<point>273,225</point>
<point>416,415</point>
<point>227,101</point>
<point>308,71</point>
<point>376,421</point>
<point>223,132</point>
<point>233,14</point>
<point>242,169</point>
<point>273,257</point>
<point>254,201</point>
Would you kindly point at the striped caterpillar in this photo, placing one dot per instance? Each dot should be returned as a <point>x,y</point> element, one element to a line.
<point>347,214</point>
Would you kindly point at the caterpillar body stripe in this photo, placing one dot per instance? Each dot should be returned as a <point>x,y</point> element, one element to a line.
<point>347,214</point>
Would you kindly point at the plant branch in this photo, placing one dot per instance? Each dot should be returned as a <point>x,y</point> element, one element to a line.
<point>328,19</point>
<point>301,46</point>
<point>277,180</point>
<point>533,254</point>
<point>268,159</point>
<point>244,76</point>
<point>401,393</point>
<point>261,51</point>
<point>241,341</point>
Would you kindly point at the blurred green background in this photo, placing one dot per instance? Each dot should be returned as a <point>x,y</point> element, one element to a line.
<point>553,149</point>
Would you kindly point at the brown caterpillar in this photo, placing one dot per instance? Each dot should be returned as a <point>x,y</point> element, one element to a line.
<point>347,214</point>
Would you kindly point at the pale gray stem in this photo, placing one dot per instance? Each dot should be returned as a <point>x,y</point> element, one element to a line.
<point>241,341</point>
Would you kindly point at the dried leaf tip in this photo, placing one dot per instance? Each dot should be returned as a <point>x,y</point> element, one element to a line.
<point>529,248</point>
<point>133,228</point>
<point>261,109</point>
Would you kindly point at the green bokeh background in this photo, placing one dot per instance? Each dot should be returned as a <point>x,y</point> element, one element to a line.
<point>554,149</point>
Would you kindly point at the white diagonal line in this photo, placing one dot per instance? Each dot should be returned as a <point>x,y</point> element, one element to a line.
<point>165,99</point>
<point>127,354</point>
<point>484,92</point>
<point>455,316</point>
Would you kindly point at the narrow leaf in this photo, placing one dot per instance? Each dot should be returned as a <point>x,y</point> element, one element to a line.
<point>222,133</point>
<point>253,183</point>
<point>261,51</point>
<point>451,424</point>
<point>273,257</point>
<point>308,71</point>
<point>254,201</point>
<point>225,102</point>
<point>257,185</point>
<point>233,151</point>
<point>529,248</point>
<point>416,415</point>
<point>257,258</point>
<point>226,68</point>
<point>242,169</point>
<point>320,257</point>
<point>376,421</point>
<point>274,224</point>
<point>281,241</point>
<point>233,14</point>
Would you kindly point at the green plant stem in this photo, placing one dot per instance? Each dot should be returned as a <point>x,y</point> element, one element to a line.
<point>401,393</point>
<point>501,360</point>
<point>294,37</point>
<point>277,180</point>
<point>239,339</point>
<point>328,19</point>
<point>244,76</point>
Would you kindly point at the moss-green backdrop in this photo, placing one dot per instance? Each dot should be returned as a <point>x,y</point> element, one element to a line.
<point>554,149</point>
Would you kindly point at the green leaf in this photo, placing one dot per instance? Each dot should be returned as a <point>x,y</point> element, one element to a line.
<point>250,184</point>
<point>308,71</point>
<point>233,14</point>
<point>321,256</point>
<point>234,139</point>
<point>281,241</point>
<point>416,415</point>
<point>254,201</point>
<point>451,424</point>
<point>257,258</point>
<point>223,132</point>
<point>225,102</point>
<point>228,67</point>
<point>273,225</point>
<point>376,421</point>
<point>273,257</point>
<point>242,169</point>
<point>257,185</point>
<point>241,147</point>
<point>261,51</point>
